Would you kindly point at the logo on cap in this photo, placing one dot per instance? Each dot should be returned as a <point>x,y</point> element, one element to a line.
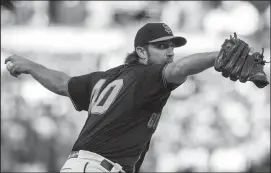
<point>167,29</point>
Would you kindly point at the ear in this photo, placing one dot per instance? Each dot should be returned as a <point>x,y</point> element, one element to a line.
<point>142,53</point>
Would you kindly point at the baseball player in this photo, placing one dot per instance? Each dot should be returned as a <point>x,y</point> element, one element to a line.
<point>124,104</point>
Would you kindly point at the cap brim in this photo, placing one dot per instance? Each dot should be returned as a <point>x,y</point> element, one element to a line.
<point>178,41</point>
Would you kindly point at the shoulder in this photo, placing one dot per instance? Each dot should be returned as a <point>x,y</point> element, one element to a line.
<point>152,67</point>
<point>149,72</point>
<point>86,79</point>
<point>89,75</point>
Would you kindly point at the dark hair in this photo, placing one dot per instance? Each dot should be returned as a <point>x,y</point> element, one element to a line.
<point>132,58</point>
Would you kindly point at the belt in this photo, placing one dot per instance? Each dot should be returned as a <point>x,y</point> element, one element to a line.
<point>104,163</point>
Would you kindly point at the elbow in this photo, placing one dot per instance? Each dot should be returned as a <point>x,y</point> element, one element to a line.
<point>182,69</point>
<point>62,88</point>
<point>176,73</point>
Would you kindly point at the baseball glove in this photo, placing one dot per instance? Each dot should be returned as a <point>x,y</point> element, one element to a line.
<point>235,61</point>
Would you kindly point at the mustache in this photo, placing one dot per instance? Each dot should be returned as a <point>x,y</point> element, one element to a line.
<point>170,57</point>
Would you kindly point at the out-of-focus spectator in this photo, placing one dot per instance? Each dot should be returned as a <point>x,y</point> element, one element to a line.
<point>240,16</point>
<point>184,15</point>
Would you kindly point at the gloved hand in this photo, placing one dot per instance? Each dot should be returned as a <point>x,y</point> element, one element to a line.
<point>235,61</point>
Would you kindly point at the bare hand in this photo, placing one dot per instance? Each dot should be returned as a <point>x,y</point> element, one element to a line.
<point>18,65</point>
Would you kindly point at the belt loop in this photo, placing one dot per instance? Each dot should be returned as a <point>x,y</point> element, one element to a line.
<point>117,168</point>
<point>73,154</point>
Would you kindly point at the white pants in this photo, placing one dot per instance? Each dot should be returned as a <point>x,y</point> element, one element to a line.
<point>88,162</point>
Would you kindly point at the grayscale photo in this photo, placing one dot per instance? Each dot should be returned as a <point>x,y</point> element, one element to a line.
<point>135,86</point>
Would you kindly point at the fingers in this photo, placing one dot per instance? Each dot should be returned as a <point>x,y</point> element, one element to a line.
<point>251,51</point>
<point>7,56</point>
<point>10,58</point>
<point>9,65</point>
<point>14,71</point>
<point>7,59</point>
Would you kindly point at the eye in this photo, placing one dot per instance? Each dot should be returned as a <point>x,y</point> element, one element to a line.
<point>162,46</point>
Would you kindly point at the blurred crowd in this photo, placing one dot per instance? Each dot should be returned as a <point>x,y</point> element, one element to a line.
<point>209,124</point>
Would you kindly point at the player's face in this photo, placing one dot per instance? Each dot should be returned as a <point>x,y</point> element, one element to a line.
<point>160,52</point>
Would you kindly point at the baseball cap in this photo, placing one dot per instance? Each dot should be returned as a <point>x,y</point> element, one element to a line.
<point>156,32</point>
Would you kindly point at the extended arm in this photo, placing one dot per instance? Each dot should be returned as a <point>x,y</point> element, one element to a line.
<point>53,80</point>
<point>177,72</point>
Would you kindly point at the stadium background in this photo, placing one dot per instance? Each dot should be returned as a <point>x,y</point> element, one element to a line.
<point>209,124</point>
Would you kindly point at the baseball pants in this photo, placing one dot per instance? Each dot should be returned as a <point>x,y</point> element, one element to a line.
<point>85,161</point>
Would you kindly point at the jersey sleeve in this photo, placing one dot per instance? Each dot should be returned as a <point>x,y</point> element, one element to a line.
<point>170,86</point>
<point>154,79</point>
<point>152,88</point>
<point>79,89</point>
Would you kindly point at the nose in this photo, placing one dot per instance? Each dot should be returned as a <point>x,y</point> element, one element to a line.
<point>170,49</point>
<point>170,52</point>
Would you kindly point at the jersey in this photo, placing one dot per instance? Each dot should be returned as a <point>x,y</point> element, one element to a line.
<point>124,106</point>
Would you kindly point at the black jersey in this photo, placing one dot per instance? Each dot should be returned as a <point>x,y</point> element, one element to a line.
<point>124,105</point>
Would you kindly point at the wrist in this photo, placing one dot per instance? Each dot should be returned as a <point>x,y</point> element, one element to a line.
<point>213,56</point>
<point>31,67</point>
